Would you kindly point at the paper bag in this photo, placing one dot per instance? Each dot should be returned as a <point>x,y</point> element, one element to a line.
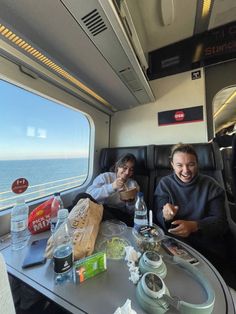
<point>84,221</point>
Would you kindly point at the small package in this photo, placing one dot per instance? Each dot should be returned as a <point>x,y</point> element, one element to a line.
<point>39,218</point>
<point>90,266</point>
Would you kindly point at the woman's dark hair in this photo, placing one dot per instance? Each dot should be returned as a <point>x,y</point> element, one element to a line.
<point>122,161</point>
<point>183,148</point>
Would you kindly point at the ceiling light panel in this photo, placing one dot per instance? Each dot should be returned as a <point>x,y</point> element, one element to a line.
<point>34,53</point>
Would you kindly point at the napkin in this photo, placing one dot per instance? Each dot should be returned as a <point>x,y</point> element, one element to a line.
<point>132,257</point>
<point>125,309</point>
<point>131,254</point>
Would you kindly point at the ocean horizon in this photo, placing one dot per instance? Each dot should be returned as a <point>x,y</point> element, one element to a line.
<point>45,177</point>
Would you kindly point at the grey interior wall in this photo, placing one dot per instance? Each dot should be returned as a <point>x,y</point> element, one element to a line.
<point>217,77</point>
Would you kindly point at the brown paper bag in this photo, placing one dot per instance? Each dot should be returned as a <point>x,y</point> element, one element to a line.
<point>84,221</point>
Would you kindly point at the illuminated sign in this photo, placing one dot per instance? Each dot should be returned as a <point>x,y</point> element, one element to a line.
<point>186,115</point>
<point>210,47</point>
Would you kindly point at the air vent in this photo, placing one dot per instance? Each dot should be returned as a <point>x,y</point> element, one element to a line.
<point>100,17</point>
<point>130,79</point>
<point>94,23</point>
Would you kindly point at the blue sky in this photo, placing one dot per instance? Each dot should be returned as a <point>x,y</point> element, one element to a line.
<point>32,126</point>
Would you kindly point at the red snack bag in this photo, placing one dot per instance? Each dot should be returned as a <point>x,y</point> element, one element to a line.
<point>39,218</point>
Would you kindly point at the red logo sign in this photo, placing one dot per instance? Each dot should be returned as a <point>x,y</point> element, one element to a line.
<point>20,185</point>
<point>179,116</point>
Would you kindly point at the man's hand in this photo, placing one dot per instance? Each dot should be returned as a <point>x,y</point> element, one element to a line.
<point>183,228</point>
<point>169,211</point>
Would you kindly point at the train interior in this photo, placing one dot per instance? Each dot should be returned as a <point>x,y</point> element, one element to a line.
<point>124,64</point>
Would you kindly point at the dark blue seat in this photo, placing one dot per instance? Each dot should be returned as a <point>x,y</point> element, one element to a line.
<point>226,154</point>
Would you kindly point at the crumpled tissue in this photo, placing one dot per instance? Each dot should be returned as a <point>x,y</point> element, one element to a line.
<point>125,309</point>
<point>131,254</point>
<point>132,257</point>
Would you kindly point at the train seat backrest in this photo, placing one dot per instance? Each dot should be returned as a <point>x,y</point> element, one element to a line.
<point>233,166</point>
<point>109,156</point>
<point>226,154</point>
<point>209,158</point>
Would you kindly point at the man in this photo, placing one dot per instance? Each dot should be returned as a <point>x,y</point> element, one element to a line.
<point>191,206</point>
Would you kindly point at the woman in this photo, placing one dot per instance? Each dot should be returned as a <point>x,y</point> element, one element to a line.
<point>106,187</point>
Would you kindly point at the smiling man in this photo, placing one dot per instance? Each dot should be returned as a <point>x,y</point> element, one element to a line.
<point>187,201</point>
<point>191,206</point>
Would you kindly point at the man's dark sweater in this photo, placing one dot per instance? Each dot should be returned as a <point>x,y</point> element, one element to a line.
<point>201,200</point>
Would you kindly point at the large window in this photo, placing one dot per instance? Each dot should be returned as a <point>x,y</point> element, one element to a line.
<point>42,141</point>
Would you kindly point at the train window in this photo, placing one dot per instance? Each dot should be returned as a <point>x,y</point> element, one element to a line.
<point>42,141</point>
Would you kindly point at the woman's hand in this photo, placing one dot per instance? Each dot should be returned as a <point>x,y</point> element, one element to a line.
<point>118,184</point>
<point>169,211</point>
<point>183,228</point>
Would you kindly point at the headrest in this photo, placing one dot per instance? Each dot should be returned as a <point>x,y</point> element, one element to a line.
<point>162,156</point>
<point>209,156</point>
<point>109,156</point>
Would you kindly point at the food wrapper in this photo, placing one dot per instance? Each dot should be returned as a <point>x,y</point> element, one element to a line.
<point>84,221</point>
<point>90,266</point>
<point>39,218</point>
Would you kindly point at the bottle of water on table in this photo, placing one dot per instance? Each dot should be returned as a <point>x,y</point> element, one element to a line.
<point>61,217</point>
<point>57,204</point>
<point>19,224</point>
<point>63,254</point>
<point>140,212</point>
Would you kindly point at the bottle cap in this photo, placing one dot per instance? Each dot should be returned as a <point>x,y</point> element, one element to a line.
<point>140,194</point>
<point>20,200</point>
<point>63,213</point>
<point>57,194</point>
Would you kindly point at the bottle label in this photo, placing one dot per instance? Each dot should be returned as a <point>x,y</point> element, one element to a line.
<point>18,225</point>
<point>63,264</point>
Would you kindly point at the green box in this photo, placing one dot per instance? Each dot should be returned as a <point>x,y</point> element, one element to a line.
<point>90,266</point>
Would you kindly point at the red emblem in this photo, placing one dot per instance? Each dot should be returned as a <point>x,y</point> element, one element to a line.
<point>179,116</point>
<point>20,185</point>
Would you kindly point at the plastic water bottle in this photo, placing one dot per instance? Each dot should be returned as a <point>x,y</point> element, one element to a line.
<point>63,255</point>
<point>61,217</point>
<point>140,212</point>
<point>56,205</point>
<point>19,224</point>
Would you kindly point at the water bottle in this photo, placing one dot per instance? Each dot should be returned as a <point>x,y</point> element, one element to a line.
<point>63,255</point>
<point>56,205</point>
<point>61,217</point>
<point>140,212</point>
<point>19,224</point>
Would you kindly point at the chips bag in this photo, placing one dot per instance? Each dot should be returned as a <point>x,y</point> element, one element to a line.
<point>39,218</point>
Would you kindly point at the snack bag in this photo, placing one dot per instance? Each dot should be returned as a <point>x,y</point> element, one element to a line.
<point>39,218</point>
<point>84,221</point>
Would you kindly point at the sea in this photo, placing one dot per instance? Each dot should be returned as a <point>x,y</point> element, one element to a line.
<point>45,177</point>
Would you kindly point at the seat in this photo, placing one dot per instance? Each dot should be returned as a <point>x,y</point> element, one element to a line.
<point>226,154</point>
<point>6,300</point>
<point>109,156</point>
<point>233,166</point>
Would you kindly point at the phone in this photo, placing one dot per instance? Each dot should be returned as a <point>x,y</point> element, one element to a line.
<point>172,226</point>
<point>173,247</point>
<point>35,253</point>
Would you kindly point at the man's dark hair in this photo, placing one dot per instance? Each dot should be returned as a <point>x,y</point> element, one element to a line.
<point>183,148</point>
